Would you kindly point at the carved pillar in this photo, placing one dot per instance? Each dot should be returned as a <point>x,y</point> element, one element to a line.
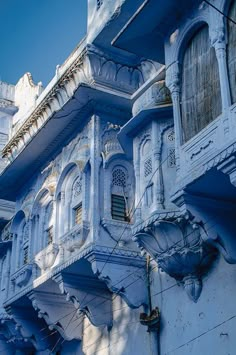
<point>7,271</point>
<point>36,234</point>
<point>85,195</point>
<point>137,182</point>
<point>158,177</point>
<point>18,250</point>
<point>14,246</point>
<point>31,251</point>
<point>173,83</point>
<point>95,181</point>
<point>219,43</point>
<point>61,209</point>
<point>41,234</point>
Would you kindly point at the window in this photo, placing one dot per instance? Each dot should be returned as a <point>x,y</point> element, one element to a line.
<point>78,214</point>
<point>119,178</point>
<point>201,97</point>
<point>26,255</point>
<point>148,167</point>
<point>118,208</point>
<point>119,194</point>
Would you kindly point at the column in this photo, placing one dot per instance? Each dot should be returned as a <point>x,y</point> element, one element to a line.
<point>95,153</point>
<point>158,177</point>
<point>137,183</point>
<point>173,83</point>
<point>219,43</point>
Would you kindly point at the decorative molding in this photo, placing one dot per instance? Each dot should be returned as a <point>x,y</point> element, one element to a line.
<point>91,67</point>
<point>179,250</point>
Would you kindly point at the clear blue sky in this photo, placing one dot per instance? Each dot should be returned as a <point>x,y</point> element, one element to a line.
<point>36,35</point>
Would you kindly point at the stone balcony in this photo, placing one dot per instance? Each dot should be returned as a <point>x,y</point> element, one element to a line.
<point>22,276</point>
<point>75,238</point>
<point>208,148</point>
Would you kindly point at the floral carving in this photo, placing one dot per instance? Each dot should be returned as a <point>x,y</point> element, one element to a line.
<point>179,250</point>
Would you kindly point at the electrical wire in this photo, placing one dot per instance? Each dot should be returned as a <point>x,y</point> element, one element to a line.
<point>221,12</point>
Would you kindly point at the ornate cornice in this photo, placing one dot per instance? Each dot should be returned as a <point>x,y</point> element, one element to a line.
<point>113,254</point>
<point>91,68</point>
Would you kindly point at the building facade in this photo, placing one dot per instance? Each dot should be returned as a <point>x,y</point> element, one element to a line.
<point>117,188</point>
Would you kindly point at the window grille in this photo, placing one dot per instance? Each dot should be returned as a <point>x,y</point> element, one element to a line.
<point>26,255</point>
<point>118,178</point>
<point>50,235</point>
<point>171,136</point>
<point>148,167</point>
<point>77,187</point>
<point>171,158</point>
<point>78,214</point>
<point>118,208</point>
<point>99,4</point>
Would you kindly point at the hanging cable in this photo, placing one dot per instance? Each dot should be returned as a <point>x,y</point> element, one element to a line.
<point>218,10</point>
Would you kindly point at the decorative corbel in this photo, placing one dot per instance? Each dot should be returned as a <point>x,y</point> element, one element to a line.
<point>178,248</point>
<point>123,272</point>
<point>88,295</point>
<point>30,327</point>
<point>59,314</point>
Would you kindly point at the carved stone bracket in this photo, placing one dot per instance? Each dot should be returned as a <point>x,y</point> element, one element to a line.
<point>124,273</point>
<point>10,333</point>
<point>29,326</point>
<point>218,217</point>
<point>59,314</point>
<point>88,295</point>
<point>179,250</point>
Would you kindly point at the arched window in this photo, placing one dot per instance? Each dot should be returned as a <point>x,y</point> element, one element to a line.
<point>69,197</point>
<point>201,98</point>
<point>119,194</point>
<point>231,51</point>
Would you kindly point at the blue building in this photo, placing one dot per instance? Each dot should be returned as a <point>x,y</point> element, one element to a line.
<point>117,190</point>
